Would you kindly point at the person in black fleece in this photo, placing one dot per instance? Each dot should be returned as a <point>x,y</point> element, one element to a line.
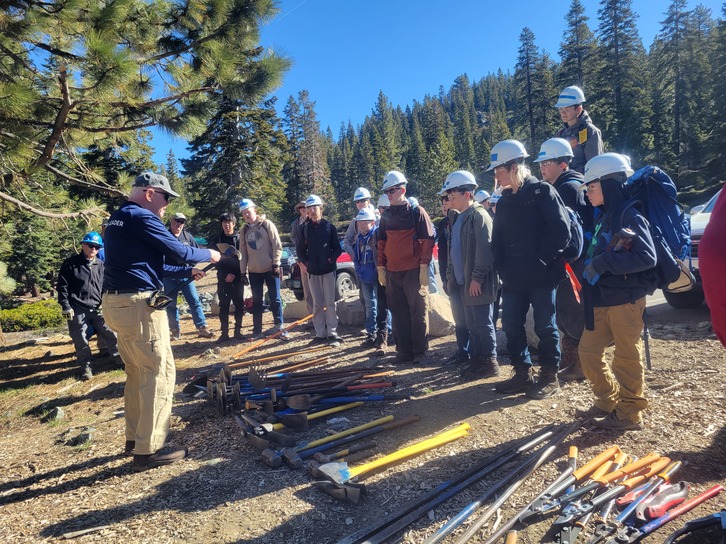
<point>230,281</point>
<point>531,229</point>
<point>620,261</point>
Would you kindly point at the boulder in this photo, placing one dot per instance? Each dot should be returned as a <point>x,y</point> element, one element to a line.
<point>441,320</point>
<point>350,312</point>
<point>295,310</point>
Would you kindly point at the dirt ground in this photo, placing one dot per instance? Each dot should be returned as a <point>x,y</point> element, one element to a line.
<point>53,483</point>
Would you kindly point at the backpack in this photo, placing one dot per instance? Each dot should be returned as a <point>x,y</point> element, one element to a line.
<point>654,193</point>
<point>576,245</point>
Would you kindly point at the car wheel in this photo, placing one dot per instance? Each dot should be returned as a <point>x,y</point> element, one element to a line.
<point>345,284</point>
<point>689,299</point>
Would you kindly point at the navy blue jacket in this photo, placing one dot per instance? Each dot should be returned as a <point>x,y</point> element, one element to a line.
<point>318,247</point>
<point>531,229</point>
<point>568,187</point>
<point>624,275</point>
<point>137,243</point>
<point>79,283</point>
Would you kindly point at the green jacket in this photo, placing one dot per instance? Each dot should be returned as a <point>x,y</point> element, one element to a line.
<point>476,238</point>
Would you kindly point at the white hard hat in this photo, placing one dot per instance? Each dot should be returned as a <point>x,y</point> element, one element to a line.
<point>554,148</point>
<point>246,204</point>
<point>413,201</point>
<point>366,214</point>
<point>496,195</point>
<point>570,96</point>
<point>392,179</point>
<point>603,165</point>
<point>361,193</point>
<point>460,178</point>
<point>505,151</point>
<point>481,196</point>
<point>313,200</point>
<point>383,201</point>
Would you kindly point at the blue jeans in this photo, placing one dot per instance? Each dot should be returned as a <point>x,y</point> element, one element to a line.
<point>461,331</point>
<point>257,282</point>
<point>432,278</point>
<point>480,324</point>
<point>370,304</point>
<point>189,292</point>
<point>515,305</point>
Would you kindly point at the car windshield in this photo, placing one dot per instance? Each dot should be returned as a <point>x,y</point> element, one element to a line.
<point>711,203</point>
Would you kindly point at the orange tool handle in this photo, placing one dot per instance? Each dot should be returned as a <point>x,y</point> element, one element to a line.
<point>511,537</point>
<point>655,468</point>
<point>630,469</point>
<point>593,464</point>
<point>602,470</point>
<point>670,470</point>
<point>278,333</point>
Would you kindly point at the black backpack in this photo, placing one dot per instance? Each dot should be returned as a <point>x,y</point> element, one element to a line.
<point>576,245</point>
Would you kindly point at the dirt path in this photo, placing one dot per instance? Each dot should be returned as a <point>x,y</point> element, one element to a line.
<point>222,493</point>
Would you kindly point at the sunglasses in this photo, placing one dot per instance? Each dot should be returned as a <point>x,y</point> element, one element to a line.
<point>92,246</point>
<point>158,300</point>
<point>392,190</point>
<point>450,192</point>
<point>166,196</point>
<point>445,198</point>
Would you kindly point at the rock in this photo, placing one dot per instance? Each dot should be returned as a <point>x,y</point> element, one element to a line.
<point>86,435</point>
<point>351,312</point>
<point>441,321</point>
<point>56,414</point>
<point>295,310</point>
<point>703,325</point>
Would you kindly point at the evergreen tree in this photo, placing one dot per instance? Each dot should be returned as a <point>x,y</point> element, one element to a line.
<point>526,82</point>
<point>578,57</point>
<point>385,137</point>
<point>717,164</point>
<point>624,82</point>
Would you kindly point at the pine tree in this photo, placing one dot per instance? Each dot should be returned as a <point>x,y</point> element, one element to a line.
<point>624,82</point>
<point>717,164</point>
<point>526,81</point>
<point>579,61</point>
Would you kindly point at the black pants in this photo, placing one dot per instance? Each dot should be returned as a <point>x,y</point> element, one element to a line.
<point>231,292</point>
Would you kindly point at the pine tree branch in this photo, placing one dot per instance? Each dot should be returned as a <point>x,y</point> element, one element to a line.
<point>60,119</point>
<point>166,99</point>
<point>17,58</point>
<point>42,213</point>
<point>81,183</point>
<point>59,52</point>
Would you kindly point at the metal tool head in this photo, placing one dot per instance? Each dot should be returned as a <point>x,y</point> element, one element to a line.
<point>257,378</point>
<point>229,251</point>
<point>336,472</point>
<point>343,492</point>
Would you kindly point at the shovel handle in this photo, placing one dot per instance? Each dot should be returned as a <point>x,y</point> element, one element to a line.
<point>243,364</point>
<point>278,333</point>
<point>589,467</point>
<point>629,469</point>
<point>347,432</point>
<point>420,447</point>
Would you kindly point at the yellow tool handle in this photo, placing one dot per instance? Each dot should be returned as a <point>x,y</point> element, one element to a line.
<point>323,413</point>
<point>656,467</point>
<point>511,537</point>
<point>590,466</point>
<point>602,470</point>
<point>345,433</point>
<point>420,447</point>
<point>630,469</point>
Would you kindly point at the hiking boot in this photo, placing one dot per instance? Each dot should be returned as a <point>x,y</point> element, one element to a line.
<point>486,368</point>
<point>86,372</point>
<point>381,349</point>
<point>572,373</point>
<point>457,358</point>
<point>403,359</point>
<point>570,361</point>
<point>129,448</point>
<point>284,335</point>
<point>546,386</point>
<point>238,333</point>
<point>592,411</point>
<point>334,340</point>
<point>203,332</point>
<point>418,358</point>
<point>175,334</point>
<point>612,423</point>
<point>520,381</point>
<point>224,337</point>
<point>164,456</point>
<point>256,336</point>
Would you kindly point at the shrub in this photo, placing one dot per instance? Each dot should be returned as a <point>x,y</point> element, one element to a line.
<point>34,315</point>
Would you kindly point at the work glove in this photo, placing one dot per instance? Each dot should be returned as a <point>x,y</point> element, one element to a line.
<point>275,270</point>
<point>590,274</point>
<point>68,314</point>
<point>245,279</point>
<point>381,275</point>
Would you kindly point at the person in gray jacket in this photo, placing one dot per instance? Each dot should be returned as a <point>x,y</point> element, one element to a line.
<point>472,280</point>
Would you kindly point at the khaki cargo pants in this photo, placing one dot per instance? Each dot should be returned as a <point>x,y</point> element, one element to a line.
<point>145,347</point>
<point>619,385</point>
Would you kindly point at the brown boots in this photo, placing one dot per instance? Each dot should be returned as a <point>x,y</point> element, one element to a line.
<point>570,360</point>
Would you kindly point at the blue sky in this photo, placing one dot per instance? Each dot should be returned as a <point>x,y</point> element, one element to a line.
<point>345,52</point>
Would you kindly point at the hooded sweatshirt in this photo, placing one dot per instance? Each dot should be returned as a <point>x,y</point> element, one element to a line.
<point>625,275</point>
<point>585,139</point>
<point>260,247</point>
<point>568,187</point>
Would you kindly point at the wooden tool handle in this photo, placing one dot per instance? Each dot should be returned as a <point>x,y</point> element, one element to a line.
<point>278,333</point>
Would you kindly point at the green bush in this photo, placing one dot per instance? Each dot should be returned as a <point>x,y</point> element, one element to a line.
<point>34,315</point>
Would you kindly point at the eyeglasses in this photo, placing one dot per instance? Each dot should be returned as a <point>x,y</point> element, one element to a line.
<point>391,190</point>
<point>450,192</point>
<point>166,196</point>
<point>92,246</point>
<point>445,198</point>
<point>547,163</point>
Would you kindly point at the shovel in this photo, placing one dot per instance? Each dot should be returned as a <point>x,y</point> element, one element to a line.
<point>339,473</point>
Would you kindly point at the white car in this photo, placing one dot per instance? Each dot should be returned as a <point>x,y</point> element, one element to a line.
<point>699,219</point>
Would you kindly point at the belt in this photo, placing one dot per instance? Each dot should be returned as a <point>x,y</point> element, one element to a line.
<point>122,291</point>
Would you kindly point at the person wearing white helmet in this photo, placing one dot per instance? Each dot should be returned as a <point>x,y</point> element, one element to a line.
<point>619,261</point>
<point>383,203</point>
<point>364,259</point>
<point>482,197</point>
<point>318,249</point>
<point>405,249</point>
<point>554,159</point>
<point>584,137</point>
<point>472,280</point>
<point>531,230</point>
<point>361,199</point>
<point>261,250</point>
